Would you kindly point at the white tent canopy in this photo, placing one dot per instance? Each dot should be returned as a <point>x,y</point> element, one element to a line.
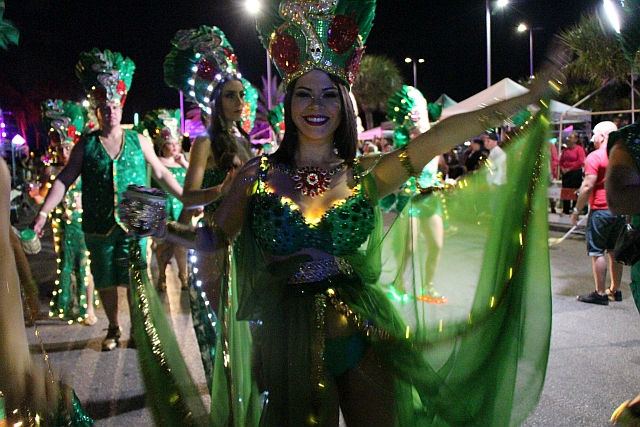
<point>504,89</point>
<point>569,114</point>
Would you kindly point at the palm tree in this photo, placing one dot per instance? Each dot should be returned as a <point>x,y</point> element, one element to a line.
<point>599,61</point>
<point>379,78</point>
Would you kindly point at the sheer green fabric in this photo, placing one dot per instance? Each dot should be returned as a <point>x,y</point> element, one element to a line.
<point>171,392</point>
<point>479,359</point>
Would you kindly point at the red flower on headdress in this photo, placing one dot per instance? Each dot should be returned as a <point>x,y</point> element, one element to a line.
<point>121,88</point>
<point>71,133</point>
<point>353,66</point>
<point>230,55</point>
<point>343,33</point>
<point>166,134</point>
<point>285,53</point>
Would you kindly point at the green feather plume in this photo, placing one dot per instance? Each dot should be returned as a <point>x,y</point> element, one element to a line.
<point>100,74</point>
<point>67,118</point>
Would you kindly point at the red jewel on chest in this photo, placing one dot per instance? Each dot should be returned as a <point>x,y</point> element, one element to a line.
<point>284,51</point>
<point>342,33</point>
<point>311,182</point>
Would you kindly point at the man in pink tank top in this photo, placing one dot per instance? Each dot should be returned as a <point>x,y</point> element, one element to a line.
<point>603,227</point>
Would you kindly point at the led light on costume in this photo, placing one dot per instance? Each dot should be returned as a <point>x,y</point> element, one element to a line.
<point>199,60</point>
<point>442,372</point>
<point>67,120</point>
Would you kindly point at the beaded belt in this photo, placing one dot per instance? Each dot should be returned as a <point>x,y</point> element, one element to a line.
<point>316,271</point>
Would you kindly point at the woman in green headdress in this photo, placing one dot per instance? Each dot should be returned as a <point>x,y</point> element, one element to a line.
<point>66,122</point>
<point>163,127</point>
<point>307,247</point>
<point>203,66</point>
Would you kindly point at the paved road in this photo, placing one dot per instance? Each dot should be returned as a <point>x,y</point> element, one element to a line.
<point>593,365</point>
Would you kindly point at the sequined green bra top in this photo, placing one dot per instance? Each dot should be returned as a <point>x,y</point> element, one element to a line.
<point>281,228</point>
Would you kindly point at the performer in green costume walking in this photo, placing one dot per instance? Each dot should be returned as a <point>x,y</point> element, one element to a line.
<point>227,104</point>
<point>66,122</point>
<point>308,245</point>
<point>108,160</point>
<point>163,128</point>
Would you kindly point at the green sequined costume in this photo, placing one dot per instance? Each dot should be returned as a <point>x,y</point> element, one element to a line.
<point>104,182</point>
<point>69,300</point>
<point>478,360</point>
<point>174,206</point>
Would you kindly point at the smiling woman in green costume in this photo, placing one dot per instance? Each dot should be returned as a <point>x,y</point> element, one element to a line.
<point>308,244</point>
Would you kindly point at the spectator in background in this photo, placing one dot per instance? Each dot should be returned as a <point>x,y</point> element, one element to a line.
<point>571,164</point>
<point>475,155</point>
<point>454,169</point>
<point>603,226</point>
<point>554,162</point>
<point>496,161</point>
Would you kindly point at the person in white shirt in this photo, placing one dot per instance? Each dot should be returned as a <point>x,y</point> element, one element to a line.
<point>497,160</point>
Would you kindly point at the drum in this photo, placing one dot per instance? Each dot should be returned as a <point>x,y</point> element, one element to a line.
<point>30,241</point>
<point>146,208</point>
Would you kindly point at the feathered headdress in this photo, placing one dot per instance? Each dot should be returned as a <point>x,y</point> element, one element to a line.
<point>329,35</point>
<point>106,76</point>
<point>250,107</point>
<point>161,125</point>
<point>199,59</point>
<point>402,110</point>
<point>9,34</point>
<point>65,120</point>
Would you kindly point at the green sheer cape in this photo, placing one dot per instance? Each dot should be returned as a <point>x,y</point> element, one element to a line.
<point>479,359</point>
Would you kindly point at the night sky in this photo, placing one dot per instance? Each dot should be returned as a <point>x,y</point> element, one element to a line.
<point>449,34</point>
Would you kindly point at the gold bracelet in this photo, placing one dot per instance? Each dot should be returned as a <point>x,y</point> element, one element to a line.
<point>405,161</point>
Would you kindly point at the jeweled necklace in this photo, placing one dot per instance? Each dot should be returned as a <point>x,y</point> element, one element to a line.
<point>312,181</point>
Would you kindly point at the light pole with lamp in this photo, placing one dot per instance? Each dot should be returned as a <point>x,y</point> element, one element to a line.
<point>254,8</point>
<point>522,27</point>
<point>612,13</point>
<point>500,4</point>
<point>415,68</point>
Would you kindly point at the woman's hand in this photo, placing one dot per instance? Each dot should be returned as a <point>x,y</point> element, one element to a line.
<point>39,223</point>
<point>181,160</point>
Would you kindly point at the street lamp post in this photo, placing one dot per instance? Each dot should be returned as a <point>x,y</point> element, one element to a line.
<point>613,15</point>
<point>254,8</point>
<point>521,29</point>
<point>499,4</point>
<point>415,68</point>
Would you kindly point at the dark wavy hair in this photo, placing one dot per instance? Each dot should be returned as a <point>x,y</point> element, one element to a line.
<point>223,145</point>
<point>345,138</point>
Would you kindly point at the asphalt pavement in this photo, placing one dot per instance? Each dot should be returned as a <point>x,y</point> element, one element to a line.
<point>593,363</point>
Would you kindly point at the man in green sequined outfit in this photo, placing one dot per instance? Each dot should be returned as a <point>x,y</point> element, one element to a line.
<point>108,160</point>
